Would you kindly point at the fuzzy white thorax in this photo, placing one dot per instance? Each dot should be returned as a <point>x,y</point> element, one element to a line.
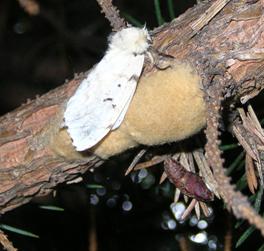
<point>131,40</point>
<point>101,101</point>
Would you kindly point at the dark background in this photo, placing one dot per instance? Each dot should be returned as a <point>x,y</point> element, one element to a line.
<point>38,53</point>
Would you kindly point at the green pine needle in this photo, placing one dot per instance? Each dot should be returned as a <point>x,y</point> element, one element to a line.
<point>171,9</point>
<point>261,248</point>
<point>228,147</point>
<point>159,17</point>
<point>94,186</point>
<point>242,182</point>
<point>18,231</point>
<point>132,20</point>
<point>238,160</point>
<point>258,200</point>
<point>244,236</point>
<point>251,229</point>
<point>52,208</point>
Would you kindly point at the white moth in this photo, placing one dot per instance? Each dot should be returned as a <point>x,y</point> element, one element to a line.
<point>101,101</point>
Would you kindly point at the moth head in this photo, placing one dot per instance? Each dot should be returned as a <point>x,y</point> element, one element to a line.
<point>132,40</point>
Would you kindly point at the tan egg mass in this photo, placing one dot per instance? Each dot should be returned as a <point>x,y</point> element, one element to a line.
<point>168,106</point>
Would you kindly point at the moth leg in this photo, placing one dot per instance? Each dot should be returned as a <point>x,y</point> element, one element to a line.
<point>159,60</point>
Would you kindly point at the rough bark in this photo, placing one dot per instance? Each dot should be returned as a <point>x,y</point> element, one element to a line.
<point>29,165</point>
<point>35,153</point>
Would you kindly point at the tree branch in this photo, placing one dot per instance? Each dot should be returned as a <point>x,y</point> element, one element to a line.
<point>112,14</point>
<point>36,152</point>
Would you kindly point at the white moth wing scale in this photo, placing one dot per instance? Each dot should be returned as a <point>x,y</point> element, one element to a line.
<point>102,99</point>
<point>131,82</point>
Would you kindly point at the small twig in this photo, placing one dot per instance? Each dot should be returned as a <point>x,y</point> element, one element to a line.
<point>234,199</point>
<point>205,209</point>
<point>208,15</point>
<point>197,210</point>
<point>251,135</point>
<point>135,161</point>
<point>206,172</point>
<point>259,129</point>
<point>163,178</point>
<point>228,235</point>
<point>7,245</point>
<point>154,161</point>
<point>177,195</point>
<point>250,174</point>
<point>189,209</point>
<point>183,243</point>
<point>184,162</point>
<point>112,14</point>
<point>199,23</point>
<point>92,235</point>
<point>241,136</point>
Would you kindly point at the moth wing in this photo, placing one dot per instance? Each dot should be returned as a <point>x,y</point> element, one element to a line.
<point>124,111</point>
<point>102,99</point>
